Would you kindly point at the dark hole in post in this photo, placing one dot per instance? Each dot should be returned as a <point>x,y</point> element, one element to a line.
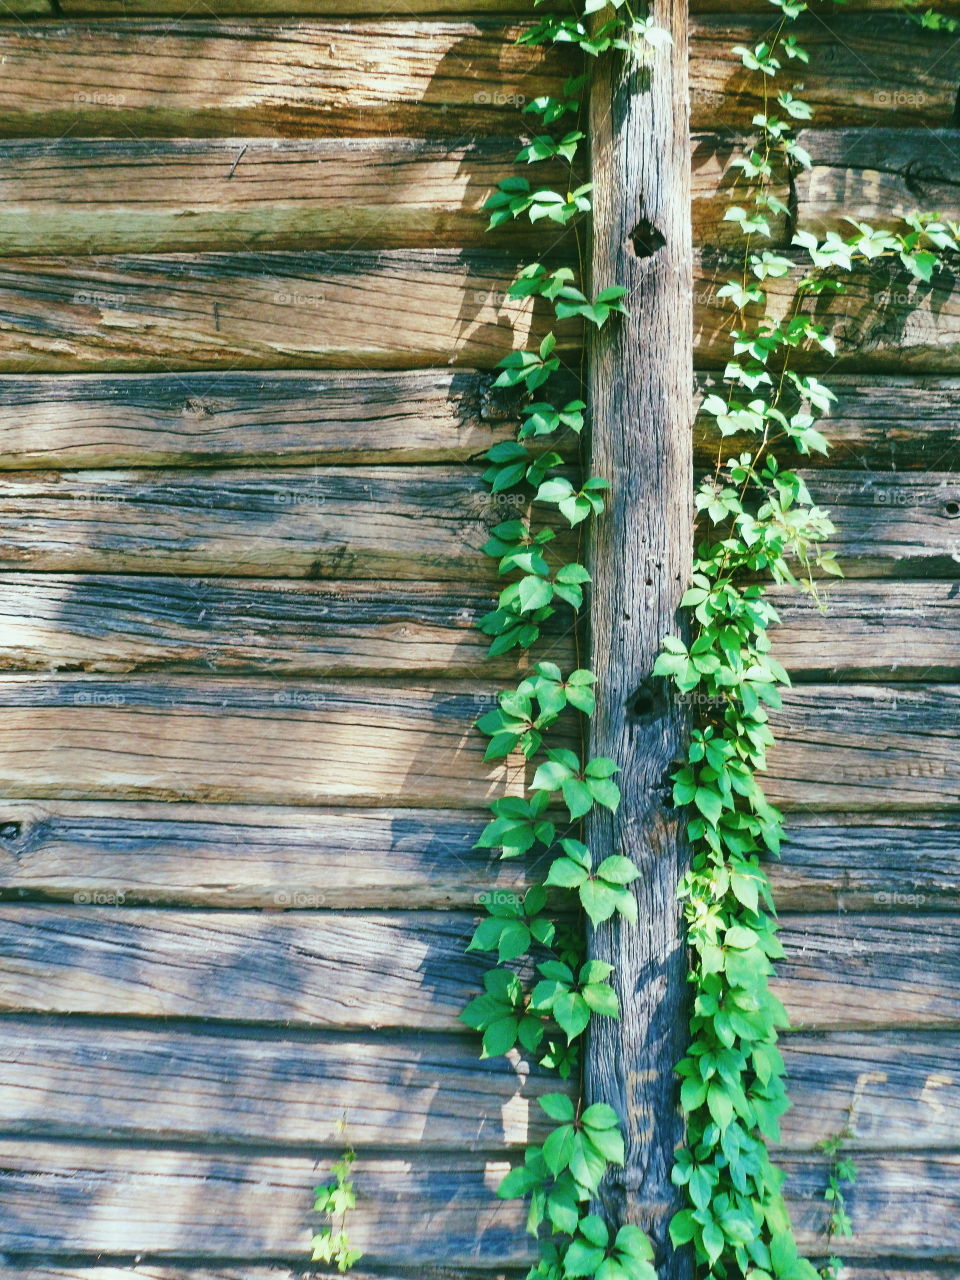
<point>952,509</point>
<point>646,239</point>
<point>10,830</point>
<point>645,700</point>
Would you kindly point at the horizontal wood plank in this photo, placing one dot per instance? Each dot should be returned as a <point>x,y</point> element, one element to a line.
<point>388,523</point>
<point>118,195</point>
<point>426,1209</point>
<point>409,971</point>
<point>271,78</point>
<point>259,741</point>
<point>882,321</point>
<point>864,69</point>
<point>73,1079</point>
<point>866,747</point>
<point>105,1081</point>
<point>241,856</point>
<point>885,423</point>
<point>855,747</point>
<point>250,419</point>
<point>349,309</point>
<point>890,863</point>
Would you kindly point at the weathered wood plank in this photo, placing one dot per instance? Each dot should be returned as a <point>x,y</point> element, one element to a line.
<point>870,972</point>
<point>866,747</point>
<point>879,423</point>
<point>889,863</point>
<point>855,747</point>
<point>34,1270</point>
<point>358,971</point>
<point>415,1211</point>
<point>249,419</point>
<point>213,855</point>
<point>882,321</point>
<point>258,741</point>
<point>898,1091</point>
<point>119,195</point>
<point>248,856</point>
<point>862,630</point>
<point>108,1081</point>
<point>77,1080</point>
<point>876,68</point>
<point>393,523</point>
<point>409,971</point>
<point>399,308</point>
<point>301,78</point>
<point>877,631</point>
<point>309,522</point>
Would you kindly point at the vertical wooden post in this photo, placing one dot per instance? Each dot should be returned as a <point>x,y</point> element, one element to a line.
<point>641,377</point>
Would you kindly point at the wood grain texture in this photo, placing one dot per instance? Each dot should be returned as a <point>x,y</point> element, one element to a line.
<point>358,971</point>
<point>271,78</point>
<point>121,195</point>
<point>885,423</point>
<point>245,856</point>
<point>249,419</point>
<point>275,1089</point>
<point>263,310</point>
<point>280,858</point>
<point>862,630</point>
<point>410,1212</point>
<point>640,378</point>
<point>866,747</point>
<point>869,972</point>
<point>899,865</point>
<point>259,741</point>
<point>882,322</point>
<point>387,523</point>
<point>899,1091</point>
<point>310,522</point>
<point>34,1270</point>
<point>864,69</point>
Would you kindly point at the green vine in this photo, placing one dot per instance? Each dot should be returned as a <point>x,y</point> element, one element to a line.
<point>331,1244</point>
<point>842,1172</point>
<point>756,521</point>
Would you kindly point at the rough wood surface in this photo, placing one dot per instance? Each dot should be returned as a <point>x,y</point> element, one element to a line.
<point>899,1091</point>
<point>249,856</point>
<point>317,523</point>
<point>337,309</point>
<point>863,631</point>
<point>870,972</point>
<point>878,423</point>
<point>249,419</point>
<point>229,78</point>
<point>214,855</point>
<point>34,1270</point>
<point>387,523</point>
<point>864,69</point>
<point>882,322</point>
<point>896,864</point>
<point>277,1089</point>
<point>640,377</point>
<point>413,1212</point>
<point>246,419</point>
<point>119,195</point>
<point>866,747</point>
<point>259,741</point>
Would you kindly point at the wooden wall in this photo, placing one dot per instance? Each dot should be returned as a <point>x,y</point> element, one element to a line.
<point>248,322</point>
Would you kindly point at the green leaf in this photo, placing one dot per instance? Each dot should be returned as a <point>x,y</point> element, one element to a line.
<point>558,1106</point>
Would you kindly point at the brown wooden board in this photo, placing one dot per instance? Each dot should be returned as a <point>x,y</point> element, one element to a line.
<point>412,1211</point>
<point>388,523</point>
<point>270,310</point>
<point>271,78</point>
<point>276,1089</point>
<point>256,740</point>
<point>117,195</point>
<point>864,69</point>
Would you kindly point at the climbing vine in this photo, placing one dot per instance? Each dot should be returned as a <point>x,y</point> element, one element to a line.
<point>756,522</point>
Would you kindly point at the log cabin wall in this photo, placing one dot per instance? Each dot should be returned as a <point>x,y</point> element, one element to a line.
<point>249,319</point>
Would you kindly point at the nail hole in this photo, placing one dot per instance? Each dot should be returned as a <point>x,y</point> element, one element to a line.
<point>952,509</point>
<point>10,830</point>
<point>645,700</point>
<point>646,239</point>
